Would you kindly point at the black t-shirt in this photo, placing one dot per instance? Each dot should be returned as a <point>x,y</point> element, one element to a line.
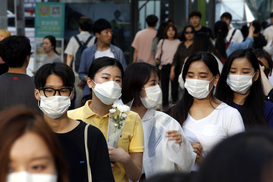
<point>17,89</point>
<point>207,31</point>
<point>74,151</point>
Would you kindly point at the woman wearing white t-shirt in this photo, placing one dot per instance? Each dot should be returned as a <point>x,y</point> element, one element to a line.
<point>205,120</point>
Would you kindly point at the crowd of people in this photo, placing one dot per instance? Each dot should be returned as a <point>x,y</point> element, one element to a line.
<point>216,125</point>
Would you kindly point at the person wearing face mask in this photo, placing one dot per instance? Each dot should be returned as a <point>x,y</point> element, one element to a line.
<point>105,78</point>
<point>240,87</point>
<point>84,146</point>
<point>29,150</point>
<point>172,151</point>
<point>205,120</point>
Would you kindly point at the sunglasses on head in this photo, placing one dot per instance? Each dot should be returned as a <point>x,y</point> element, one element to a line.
<point>189,32</point>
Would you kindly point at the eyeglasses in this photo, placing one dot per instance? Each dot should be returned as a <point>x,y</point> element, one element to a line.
<point>48,92</point>
<point>191,32</point>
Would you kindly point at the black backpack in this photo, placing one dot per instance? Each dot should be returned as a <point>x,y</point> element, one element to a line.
<point>82,46</point>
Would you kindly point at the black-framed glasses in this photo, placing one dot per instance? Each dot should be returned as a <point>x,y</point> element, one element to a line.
<point>189,32</point>
<point>48,92</point>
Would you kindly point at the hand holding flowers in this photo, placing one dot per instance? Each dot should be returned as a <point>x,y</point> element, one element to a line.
<point>118,115</point>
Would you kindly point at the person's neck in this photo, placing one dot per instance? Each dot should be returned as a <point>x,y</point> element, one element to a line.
<point>60,125</point>
<point>141,110</point>
<point>229,27</point>
<point>102,46</point>
<point>172,38</point>
<point>198,27</point>
<point>188,43</point>
<point>21,70</point>
<point>51,54</point>
<point>98,107</point>
<point>206,103</point>
<point>256,34</point>
<point>240,98</point>
<point>152,28</point>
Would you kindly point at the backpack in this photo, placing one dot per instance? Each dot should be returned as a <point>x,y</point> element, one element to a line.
<point>82,46</point>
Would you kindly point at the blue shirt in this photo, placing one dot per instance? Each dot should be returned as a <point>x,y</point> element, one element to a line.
<point>87,58</point>
<point>268,112</point>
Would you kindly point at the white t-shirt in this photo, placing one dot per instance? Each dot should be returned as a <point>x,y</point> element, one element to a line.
<point>107,53</point>
<point>73,45</point>
<point>237,37</point>
<point>268,33</point>
<point>224,121</point>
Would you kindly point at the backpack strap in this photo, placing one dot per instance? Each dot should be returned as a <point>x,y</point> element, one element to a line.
<point>85,43</point>
<point>232,34</point>
<point>77,39</point>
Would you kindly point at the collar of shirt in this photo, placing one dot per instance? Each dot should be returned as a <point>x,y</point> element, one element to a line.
<point>85,33</point>
<point>148,115</point>
<point>87,112</point>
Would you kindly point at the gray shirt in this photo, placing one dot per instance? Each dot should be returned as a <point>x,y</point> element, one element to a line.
<point>53,60</point>
<point>17,89</point>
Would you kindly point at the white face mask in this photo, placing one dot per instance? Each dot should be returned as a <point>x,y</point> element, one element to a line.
<point>153,96</point>
<point>107,92</point>
<point>54,106</point>
<point>239,83</point>
<point>199,89</point>
<point>30,177</point>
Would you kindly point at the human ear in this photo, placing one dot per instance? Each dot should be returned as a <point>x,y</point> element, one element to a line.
<point>72,94</point>
<point>216,79</point>
<point>90,83</point>
<point>256,76</point>
<point>97,35</point>
<point>36,94</point>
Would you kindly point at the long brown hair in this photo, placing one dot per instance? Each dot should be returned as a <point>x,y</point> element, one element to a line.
<point>14,123</point>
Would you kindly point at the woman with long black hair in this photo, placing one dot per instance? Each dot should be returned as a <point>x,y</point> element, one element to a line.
<point>240,87</point>
<point>205,119</point>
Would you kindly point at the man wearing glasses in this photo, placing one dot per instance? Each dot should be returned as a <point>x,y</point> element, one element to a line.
<point>54,84</point>
<point>16,87</point>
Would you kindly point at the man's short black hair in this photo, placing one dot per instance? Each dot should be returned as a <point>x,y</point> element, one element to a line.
<point>85,24</point>
<point>151,20</point>
<point>271,15</point>
<point>195,13</point>
<point>60,69</point>
<point>100,25</point>
<point>14,50</point>
<point>226,15</point>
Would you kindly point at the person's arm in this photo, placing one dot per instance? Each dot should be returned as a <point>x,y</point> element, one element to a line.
<point>69,60</point>
<point>242,45</point>
<point>158,54</point>
<point>172,73</point>
<point>132,162</point>
<point>135,55</point>
<point>265,82</point>
<point>197,148</point>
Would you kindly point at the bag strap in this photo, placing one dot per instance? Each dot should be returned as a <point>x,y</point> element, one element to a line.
<point>86,42</point>
<point>232,34</point>
<point>161,50</point>
<point>87,154</point>
<point>77,39</point>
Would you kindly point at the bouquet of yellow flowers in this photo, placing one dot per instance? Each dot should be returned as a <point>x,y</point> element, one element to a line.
<point>118,115</point>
